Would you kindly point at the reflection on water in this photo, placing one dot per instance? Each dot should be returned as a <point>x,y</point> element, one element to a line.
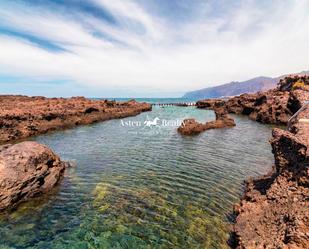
<point>137,187</point>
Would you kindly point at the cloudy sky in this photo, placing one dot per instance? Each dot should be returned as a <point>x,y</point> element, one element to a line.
<point>146,48</point>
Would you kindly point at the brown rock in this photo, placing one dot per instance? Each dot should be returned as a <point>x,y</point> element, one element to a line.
<point>297,99</point>
<point>27,170</point>
<point>275,208</point>
<point>269,107</point>
<point>22,116</point>
<point>192,127</point>
<point>209,103</point>
<point>274,106</point>
<point>291,156</point>
<point>243,104</point>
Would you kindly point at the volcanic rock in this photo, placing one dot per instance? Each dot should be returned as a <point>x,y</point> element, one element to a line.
<point>191,127</point>
<point>209,103</point>
<point>265,107</point>
<point>274,212</point>
<point>22,116</point>
<point>274,106</point>
<point>223,120</point>
<point>27,170</point>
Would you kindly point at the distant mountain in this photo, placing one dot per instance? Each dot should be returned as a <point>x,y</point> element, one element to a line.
<point>236,88</point>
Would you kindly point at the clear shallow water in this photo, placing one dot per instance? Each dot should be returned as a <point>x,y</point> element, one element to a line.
<point>136,187</point>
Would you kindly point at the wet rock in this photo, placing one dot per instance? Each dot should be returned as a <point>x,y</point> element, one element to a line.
<point>22,116</point>
<point>27,170</point>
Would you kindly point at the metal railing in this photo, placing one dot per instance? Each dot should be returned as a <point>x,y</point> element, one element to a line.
<point>306,103</point>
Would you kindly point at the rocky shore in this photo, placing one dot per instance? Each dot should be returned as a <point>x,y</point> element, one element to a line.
<point>223,120</point>
<point>30,169</point>
<point>275,106</point>
<point>22,116</point>
<point>274,211</point>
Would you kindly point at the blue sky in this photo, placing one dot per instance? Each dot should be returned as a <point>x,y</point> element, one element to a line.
<point>146,48</point>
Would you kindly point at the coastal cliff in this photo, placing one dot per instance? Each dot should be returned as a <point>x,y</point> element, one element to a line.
<point>22,116</point>
<point>274,211</point>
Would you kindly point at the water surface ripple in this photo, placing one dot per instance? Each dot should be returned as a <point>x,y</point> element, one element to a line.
<point>136,187</point>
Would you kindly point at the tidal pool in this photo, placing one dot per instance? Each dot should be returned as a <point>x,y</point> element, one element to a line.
<point>136,186</point>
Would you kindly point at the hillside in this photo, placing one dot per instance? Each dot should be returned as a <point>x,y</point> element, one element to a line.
<point>236,88</point>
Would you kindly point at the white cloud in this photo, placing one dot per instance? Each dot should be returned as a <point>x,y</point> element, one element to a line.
<point>247,42</point>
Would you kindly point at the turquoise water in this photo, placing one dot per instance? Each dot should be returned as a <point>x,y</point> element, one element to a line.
<point>141,187</point>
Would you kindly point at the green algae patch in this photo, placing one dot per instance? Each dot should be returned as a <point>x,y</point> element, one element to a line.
<point>154,219</point>
<point>100,192</point>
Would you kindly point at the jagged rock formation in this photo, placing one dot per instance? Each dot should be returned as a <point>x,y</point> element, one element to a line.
<point>274,212</point>
<point>223,120</point>
<point>22,116</point>
<point>27,170</point>
<point>275,106</point>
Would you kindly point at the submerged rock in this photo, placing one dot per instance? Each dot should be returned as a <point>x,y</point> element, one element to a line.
<point>27,170</point>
